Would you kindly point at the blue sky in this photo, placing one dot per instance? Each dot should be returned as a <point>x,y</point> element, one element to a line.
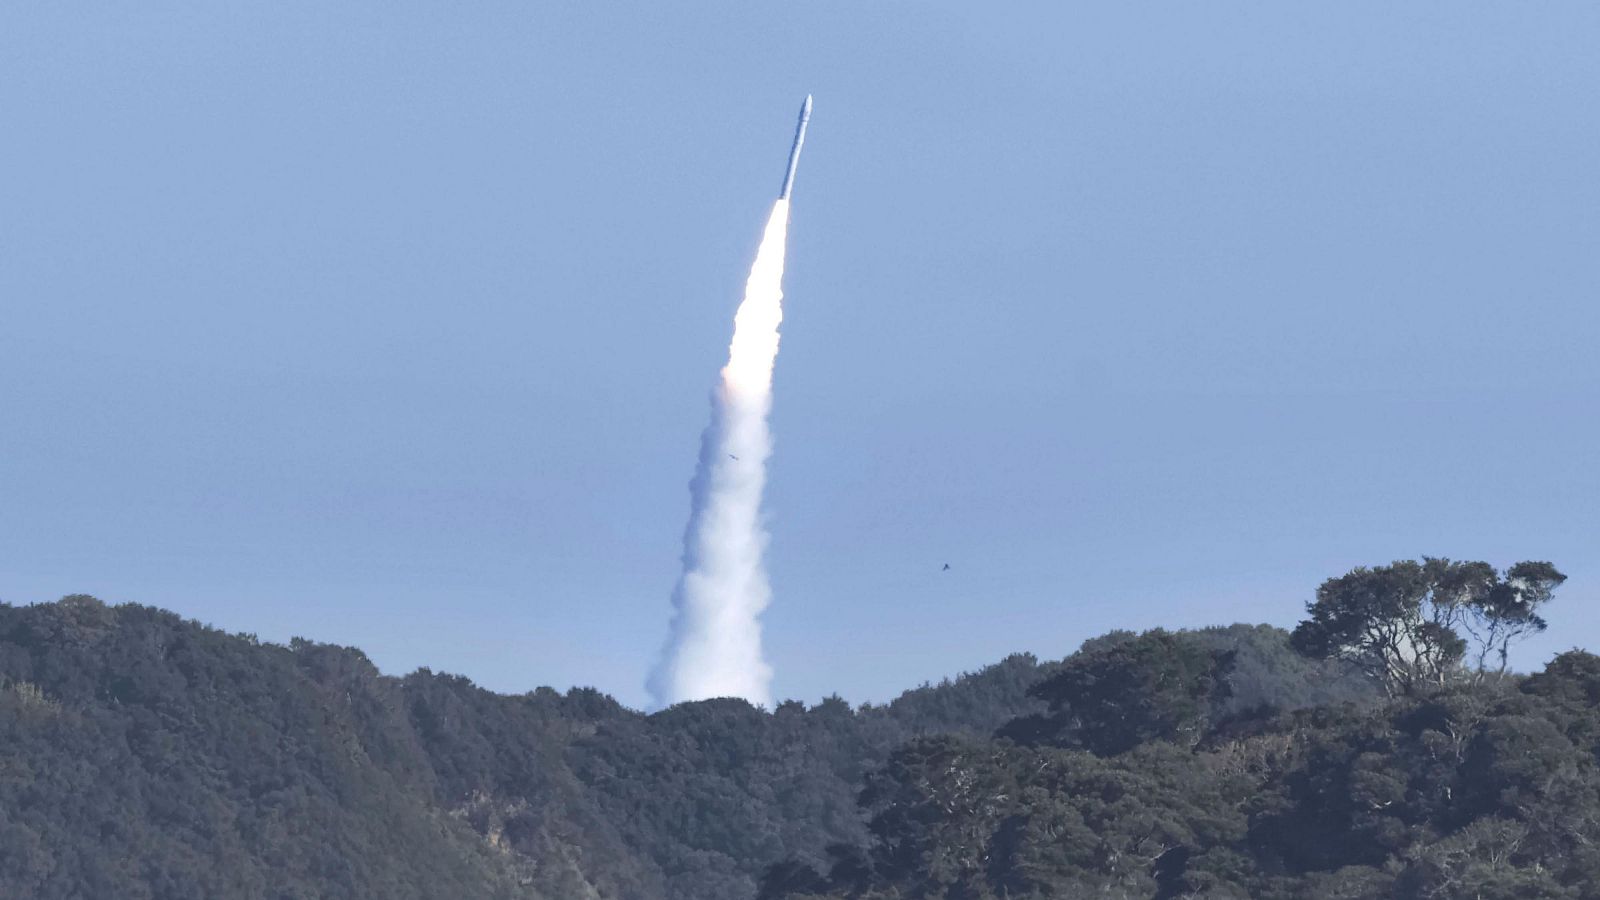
<point>393,324</point>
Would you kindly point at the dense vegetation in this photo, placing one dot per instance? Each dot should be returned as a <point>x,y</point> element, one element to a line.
<point>1381,750</point>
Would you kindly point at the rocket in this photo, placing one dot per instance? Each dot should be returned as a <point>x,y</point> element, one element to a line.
<point>794,152</point>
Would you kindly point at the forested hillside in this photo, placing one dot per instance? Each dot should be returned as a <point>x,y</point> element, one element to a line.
<point>144,756</point>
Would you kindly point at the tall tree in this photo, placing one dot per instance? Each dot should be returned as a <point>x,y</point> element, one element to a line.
<point>1109,699</point>
<point>1412,624</point>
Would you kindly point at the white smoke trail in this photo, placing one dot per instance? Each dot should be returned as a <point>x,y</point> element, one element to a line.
<point>715,645</point>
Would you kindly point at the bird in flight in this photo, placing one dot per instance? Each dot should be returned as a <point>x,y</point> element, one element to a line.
<point>946,568</point>
<point>731,456</point>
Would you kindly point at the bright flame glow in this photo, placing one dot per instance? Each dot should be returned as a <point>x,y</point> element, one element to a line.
<point>755,326</point>
<point>715,645</point>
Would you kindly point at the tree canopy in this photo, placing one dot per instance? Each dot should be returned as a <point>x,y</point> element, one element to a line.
<point>1413,625</point>
<point>145,756</point>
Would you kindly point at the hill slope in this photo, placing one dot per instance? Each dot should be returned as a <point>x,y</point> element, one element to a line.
<point>142,755</point>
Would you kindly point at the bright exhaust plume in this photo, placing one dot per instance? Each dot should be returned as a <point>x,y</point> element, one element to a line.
<point>714,648</point>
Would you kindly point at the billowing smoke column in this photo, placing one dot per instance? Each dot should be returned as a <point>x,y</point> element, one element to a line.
<point>715,646</point>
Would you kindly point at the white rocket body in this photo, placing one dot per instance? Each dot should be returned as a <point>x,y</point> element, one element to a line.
<point>794,152</point>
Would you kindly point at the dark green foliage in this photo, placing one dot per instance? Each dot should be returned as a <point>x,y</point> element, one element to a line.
<point>1157,686</point>
<point>144,756</point>
<point>1489,789</point>
<point>1267,673</point>
<point>1410,625</point>
<point>1485,786</point>
<point>141,756</point>
<point>976,703</point>
<point>969,818</point>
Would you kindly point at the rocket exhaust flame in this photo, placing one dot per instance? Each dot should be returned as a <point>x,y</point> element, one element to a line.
<point>714,649</point>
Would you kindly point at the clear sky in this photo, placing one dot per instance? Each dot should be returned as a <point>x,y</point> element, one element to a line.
<point>393,324</point>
